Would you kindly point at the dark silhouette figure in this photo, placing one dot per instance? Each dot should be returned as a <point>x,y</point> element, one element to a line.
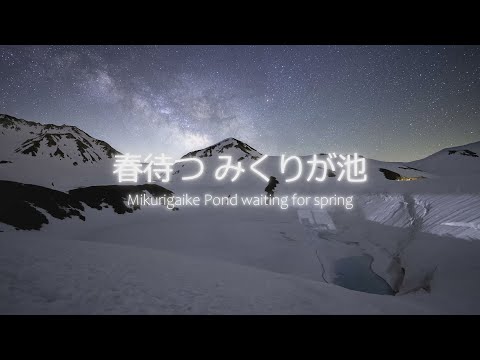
<point>272,184</point>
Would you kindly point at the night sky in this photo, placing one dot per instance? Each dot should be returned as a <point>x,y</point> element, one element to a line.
<point>394,103</point>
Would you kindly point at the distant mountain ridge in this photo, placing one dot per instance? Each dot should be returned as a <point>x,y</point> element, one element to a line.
<point>23,137</point>
<point>74,158</point>
<point>34,155</point>
<point>453,160</point>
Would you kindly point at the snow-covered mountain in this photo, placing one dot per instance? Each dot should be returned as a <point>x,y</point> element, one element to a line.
<point>65,155</point>
<point>19,138</point>
<point>405,247</point>
<point>230,146</point>
<point>379,172</point>
<point>48,170</point>
<point>438,169</point>
<point>59,157</point>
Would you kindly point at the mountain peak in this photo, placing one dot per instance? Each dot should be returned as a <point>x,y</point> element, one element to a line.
<point>228,146</point>
<point>61,142</point>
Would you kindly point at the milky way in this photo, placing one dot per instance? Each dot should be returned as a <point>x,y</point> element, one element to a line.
<point>385,102</point>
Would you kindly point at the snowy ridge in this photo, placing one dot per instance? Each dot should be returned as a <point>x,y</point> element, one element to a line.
<point>73,158</point>
<point>236,148</point>
<point>25,138</point>
<point>458,160</point>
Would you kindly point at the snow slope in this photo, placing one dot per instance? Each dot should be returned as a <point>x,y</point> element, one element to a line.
<point>458,160</point>
<point>225,262</point>
<point>64,155</point>
<point>42,275</point>
<point>415,239</point>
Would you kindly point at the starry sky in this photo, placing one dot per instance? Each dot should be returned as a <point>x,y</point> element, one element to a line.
<point>395,103</point>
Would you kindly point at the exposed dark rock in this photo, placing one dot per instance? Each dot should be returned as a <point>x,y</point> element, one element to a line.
<point>51,139</point>
<point>228,143</point>
<point>8,122</point>
<point>330,173</point>
<point>390,175</point>
<point>59,153</point>
<point>409,168</point>
<point>244,147</point>
<point>81,148</point>
<point>32,149</point>
<point>114,195</point>
<point>463,152</point>
<point>110,151</point>
<point>86,142</point>
<point>23,202</point>
<point>228,146</point>
<point>5,162</point>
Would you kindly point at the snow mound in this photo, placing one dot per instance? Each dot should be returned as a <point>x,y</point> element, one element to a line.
<point>458,160</point>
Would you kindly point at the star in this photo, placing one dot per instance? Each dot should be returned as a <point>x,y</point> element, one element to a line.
<point>275,98</point>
